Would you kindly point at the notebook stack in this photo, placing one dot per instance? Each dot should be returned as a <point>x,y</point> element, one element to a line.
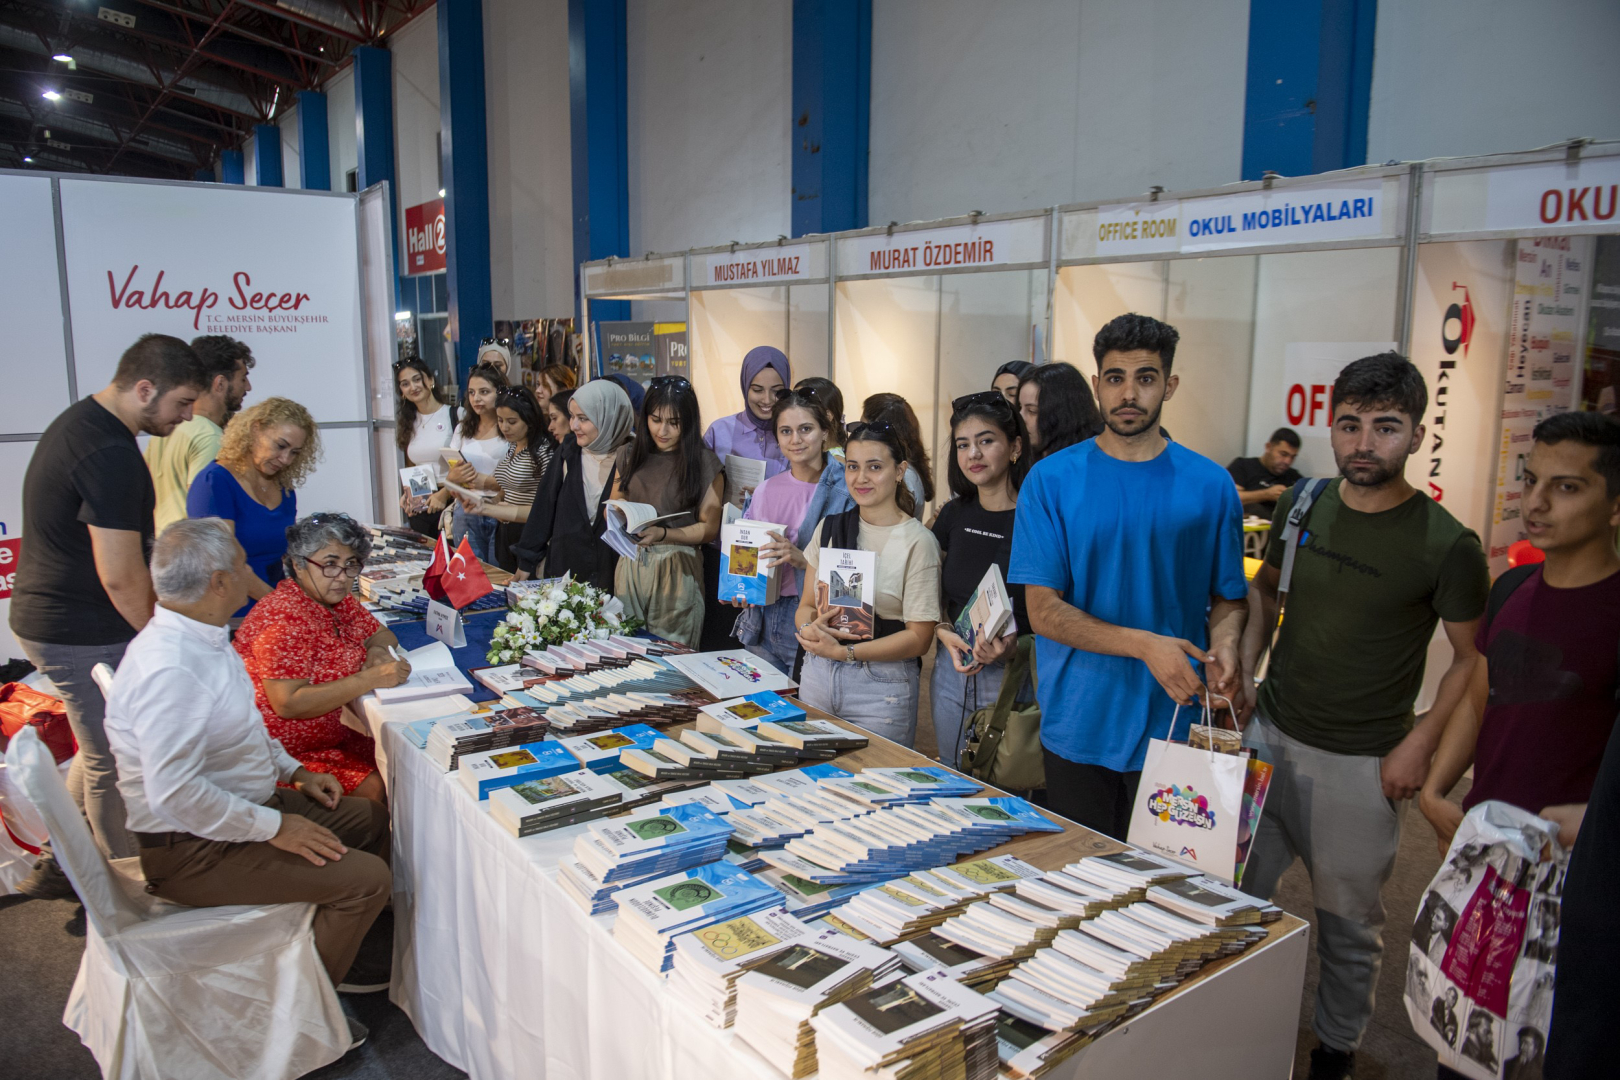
<point>709,962</point>
<point>490,770</point>
<point>925,1025</point>
<point>653,914</point>
<point>537,806</point>
<point>652,839</point>
<point>776,1000</point>
<point>600,752</point>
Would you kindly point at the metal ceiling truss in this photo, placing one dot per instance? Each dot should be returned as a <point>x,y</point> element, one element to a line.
<point>160,87</point>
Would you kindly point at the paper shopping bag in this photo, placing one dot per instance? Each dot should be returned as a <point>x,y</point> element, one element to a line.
<point>1189,803</point>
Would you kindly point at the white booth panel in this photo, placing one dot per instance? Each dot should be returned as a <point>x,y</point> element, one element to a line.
<point>14,458</point>
<point>32,307</point>
<point>1210,302</point>
<point>376,240</point>
<point>341,482</point>
<point>723,325</point>
<point>807,332</point>
<point>1089,296</point>
<point>145,258</point>
<point>1314,312</point>
<point>389,462</point>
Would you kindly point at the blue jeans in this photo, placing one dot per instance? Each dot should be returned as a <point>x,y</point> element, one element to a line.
<point>780,645</point>
<point>880,697</point>
<point>480,533</point>
<point>955,697</point>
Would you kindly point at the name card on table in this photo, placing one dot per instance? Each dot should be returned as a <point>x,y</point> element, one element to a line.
<point>444,623</point>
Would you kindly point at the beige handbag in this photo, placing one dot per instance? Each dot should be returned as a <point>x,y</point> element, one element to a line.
<point>1004,741</point>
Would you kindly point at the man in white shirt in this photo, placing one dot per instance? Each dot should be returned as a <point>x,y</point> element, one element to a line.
<point>198,769</point>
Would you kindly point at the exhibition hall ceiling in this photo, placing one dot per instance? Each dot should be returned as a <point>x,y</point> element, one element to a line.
<point>158,88</point>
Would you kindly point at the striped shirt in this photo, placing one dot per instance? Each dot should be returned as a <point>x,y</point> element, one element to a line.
<point>517,475</point>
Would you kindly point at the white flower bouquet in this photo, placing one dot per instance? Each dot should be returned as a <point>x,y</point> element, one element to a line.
<point>559,612</point>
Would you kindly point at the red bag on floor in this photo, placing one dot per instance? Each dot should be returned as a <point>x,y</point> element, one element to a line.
<point>23,706</point>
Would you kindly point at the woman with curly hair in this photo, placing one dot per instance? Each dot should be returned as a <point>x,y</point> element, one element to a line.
<point>265,455</point>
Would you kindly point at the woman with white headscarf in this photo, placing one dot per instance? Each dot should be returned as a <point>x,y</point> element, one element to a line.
<point>565,526</point>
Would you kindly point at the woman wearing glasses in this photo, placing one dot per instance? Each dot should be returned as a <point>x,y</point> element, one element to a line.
<point>265,455</point>
<point>477,447</point>
<point>811,488</point>
<point>975,531</point>
<point>515,480</point>
<point>310,648</point>
<point>424,421</point>
<point>668,467</point>
<point>874,683</point>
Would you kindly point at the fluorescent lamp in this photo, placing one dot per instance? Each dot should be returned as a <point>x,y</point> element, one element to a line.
<point>62,58</point>
<point>401,316</point>
<point>51,95</point>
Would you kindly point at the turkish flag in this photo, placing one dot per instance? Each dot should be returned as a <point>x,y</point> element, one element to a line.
<point>432,580</point>
<point>464,579</point>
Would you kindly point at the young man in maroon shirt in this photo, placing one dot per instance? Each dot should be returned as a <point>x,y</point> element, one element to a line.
<point>1536,725</point>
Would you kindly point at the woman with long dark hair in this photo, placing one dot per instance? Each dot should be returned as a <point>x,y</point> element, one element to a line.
<point>1057,408</point>
<point>424,420</point>
<point>825,392</point>
<point>896,411</point>
<point>555,412</point>
<point>975,530</point>
<point>517,477</point>
<point>668,467</point>
<point>478,447</point>
<point>873,683</point>
<point>1007,377</point>
<point>565,525</point>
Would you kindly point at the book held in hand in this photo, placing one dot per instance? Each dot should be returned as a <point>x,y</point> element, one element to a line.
<point>744,577</point>
<point>433,674</point>
<point>846,586</point>
<point>988,612</point>
<point>626,520</point>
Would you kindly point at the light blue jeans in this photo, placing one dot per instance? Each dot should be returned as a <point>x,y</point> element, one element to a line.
<point>780,645</point>
<point>880,697</point>
<point>955,697</point>
<point>479,531</point>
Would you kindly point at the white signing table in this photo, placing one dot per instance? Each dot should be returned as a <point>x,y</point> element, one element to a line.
<point>507,978</point>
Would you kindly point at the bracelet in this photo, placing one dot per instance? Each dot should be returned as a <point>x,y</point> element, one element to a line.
<point>849,652</point>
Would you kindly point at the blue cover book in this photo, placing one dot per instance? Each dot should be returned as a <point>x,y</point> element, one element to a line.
<point>743,574</point>
<point>485,772</point>
<point>599,752</point>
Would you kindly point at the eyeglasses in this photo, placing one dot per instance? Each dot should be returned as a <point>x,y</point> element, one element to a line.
<point>504,342</point>
<point>993,399</point>
<point>333,571</point>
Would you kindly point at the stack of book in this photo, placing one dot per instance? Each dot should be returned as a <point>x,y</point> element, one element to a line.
<point>489,770</point>
<point>1061,892</point>
<point>709,962</point>
<point>653,839</point>
<point>1130,869</point>
<point>995,932</point>
<point>919,783</point>
<point>815,736</point>
<point>1028,1051</point>
<point>590,892</point>
<point>776,1000</point>
<point>600,752</point>
<point>536,806</point>
<point>907,907</point>
<point>927,1024</point>
<point>964,965</point>
<point>1214,903</point>
<point>653,914</point>
<point>806,899</point>
<point>667,759</point>
<point>451,739</point>
<point>747,740</point>
<point>700,750</point>
<point>752,710</point>
<point>640,790</point>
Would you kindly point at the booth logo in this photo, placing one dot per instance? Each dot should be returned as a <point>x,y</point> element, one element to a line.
<point>1457,328</point>
<point>1188,853</point>
<point>1181,806</point>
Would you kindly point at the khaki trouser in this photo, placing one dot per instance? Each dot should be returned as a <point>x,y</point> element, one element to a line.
<point>349,892</point>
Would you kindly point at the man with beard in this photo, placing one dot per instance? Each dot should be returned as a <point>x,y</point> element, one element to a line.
<point>1132,550</point>
<point>1378,563</point>
<point>176,459</point>
<point>82,588</point>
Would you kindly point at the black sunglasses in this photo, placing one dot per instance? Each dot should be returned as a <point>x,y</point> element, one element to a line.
<point>507,342</point>
<point>993,399</point>
<point>881,427</point>
<point>677,381</point>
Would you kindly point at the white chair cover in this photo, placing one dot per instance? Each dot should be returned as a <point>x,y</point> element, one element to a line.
<point>166,992</point>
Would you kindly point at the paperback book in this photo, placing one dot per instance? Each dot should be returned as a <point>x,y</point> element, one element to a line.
<point>653,914</point>
<point>846,586</point>
<point>988,613</point>
<point>483,773</point>
<point>534,806</point>
<point>744,577</point>
<point>600,752</point>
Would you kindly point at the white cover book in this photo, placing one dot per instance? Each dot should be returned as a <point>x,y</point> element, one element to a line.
<point>743,475</point>
<point>433,674</point>
<point>730,673</point>
<point>626,519</point>
<point>846,584</point>
<point>988,610</point>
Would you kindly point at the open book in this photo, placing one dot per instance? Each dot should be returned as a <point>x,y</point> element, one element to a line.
<point>625,521</point>
<point>433,674</point>
<point>743,475</point>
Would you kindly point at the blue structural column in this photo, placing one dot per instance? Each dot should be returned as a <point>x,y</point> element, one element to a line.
<point>267,155</point>
<point>1309,85</point>
<point>464,138</point>
<point>832,108</point>
<point>374,132</point>
<point>314,146</point>
<point>232,170</point>
<point>599,136</point>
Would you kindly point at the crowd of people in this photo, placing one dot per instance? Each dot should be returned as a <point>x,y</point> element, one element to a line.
<point>222,759</point>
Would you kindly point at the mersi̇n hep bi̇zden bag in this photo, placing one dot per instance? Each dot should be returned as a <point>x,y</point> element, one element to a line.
<point>1479,977</point>
<point>1189,803</point>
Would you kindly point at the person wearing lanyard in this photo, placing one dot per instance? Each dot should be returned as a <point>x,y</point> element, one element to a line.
<point>423,425</point>
<point>517,477</point>
<point>974,531</point>
<point>874,683</point>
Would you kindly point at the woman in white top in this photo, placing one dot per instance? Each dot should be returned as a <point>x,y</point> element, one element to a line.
<point>423,424</point>
<point>873,683</point>
<point>479,448</point>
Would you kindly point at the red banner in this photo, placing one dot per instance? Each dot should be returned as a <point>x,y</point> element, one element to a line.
<point>9,550</point>
<point>424,238</point>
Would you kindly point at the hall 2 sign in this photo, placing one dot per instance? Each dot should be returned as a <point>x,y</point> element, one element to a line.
<point>424,238</point>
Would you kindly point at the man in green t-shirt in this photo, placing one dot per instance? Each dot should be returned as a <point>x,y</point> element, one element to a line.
<point>177,458</point>
<point>1378,564</point>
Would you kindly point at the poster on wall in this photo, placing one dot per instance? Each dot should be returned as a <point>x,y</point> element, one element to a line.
<point>1600,381</point>
<point>1543,343</point>
<point>642,350</point>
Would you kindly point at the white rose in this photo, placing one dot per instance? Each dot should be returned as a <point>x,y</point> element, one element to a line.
<point>514,619</point>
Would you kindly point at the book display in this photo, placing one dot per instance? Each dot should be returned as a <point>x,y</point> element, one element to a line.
<point>927,1024</point>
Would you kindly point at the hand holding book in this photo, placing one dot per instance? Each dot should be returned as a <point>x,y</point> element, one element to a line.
<point>782,552</point>
<point>962,655</point>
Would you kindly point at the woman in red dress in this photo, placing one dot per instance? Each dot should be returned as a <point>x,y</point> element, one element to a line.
<point>311,648</point>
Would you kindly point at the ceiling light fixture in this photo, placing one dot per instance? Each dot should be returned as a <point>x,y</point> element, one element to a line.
<point>62,58</point>
<point>51,95</point>
<point>28,161</point>
<point>399,316</point>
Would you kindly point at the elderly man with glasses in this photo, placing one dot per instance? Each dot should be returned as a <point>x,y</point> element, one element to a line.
<point>311,648</point>
<point>199,771</point>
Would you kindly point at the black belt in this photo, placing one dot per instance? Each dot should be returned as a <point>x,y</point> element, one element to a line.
<point>162,839</point>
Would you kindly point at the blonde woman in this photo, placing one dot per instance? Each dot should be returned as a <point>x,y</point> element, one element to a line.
<point>265,455</point>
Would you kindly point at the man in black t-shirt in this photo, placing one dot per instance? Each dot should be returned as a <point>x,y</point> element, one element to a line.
<point>82,588</point>
<point>1261,481</point>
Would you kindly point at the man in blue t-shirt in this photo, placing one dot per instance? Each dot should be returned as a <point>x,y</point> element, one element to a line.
<point>1132,550</point>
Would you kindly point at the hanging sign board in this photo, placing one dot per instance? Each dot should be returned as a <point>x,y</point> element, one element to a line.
<point>785,263</point>
<point>1534,197</point>
<point>955,247</point>
<point>424,238</point>
<point>1143,228</point>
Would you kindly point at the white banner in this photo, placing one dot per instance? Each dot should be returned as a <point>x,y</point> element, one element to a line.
<point>928,251</point>
<point>31,305</point>
<point>1351,210</point>
<point>1533,197</point>
<point>763,266</point>
<point>1142,228</point>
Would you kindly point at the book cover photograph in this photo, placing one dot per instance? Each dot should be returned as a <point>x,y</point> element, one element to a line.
<point>744,577</point>
<point>846,586</point>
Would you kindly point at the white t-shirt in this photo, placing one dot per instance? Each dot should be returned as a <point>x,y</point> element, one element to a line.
<point>482,454</point>
<point>430,435</point>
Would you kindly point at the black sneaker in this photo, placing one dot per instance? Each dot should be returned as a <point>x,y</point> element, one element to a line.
<point>357,1033</point>
<point>47,882</point>
<point>1330,1064</point>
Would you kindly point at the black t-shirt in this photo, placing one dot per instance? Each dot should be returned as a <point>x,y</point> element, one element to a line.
<point>1250,475</point>
<point>86,470</point>
<point>971,538</point>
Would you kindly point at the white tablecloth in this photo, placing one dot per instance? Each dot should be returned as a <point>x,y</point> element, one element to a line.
<point>507,978</point>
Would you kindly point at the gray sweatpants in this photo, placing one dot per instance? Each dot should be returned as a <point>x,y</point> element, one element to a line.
<point>1329,810</point>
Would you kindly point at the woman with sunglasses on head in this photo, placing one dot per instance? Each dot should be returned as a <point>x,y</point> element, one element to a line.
<point>669,468</point>
<point>798,498</point>
<point>310,648</point>
<point>974,531</point>
<point>565,525</point>
<point>424,421</point>
<point>517,477</point>
<point>478,447</point>
<point>1057,408</point>
<point>497,353</point>
<point>897,411</point>
<point>874,683</point>
<point>1007,377</point>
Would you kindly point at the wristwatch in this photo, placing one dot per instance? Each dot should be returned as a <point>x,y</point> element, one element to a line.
<point>849,652</point>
